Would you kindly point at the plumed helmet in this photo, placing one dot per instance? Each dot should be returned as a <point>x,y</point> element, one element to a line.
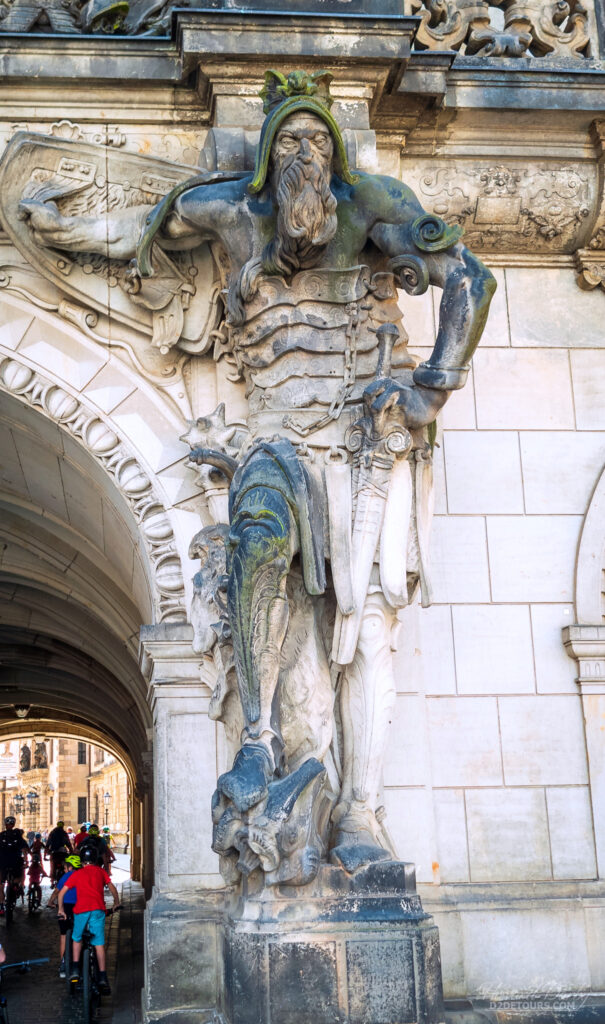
<point>299,93</point>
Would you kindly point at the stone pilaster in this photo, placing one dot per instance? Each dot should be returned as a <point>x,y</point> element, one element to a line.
<point>184,758</point>
<point>587,645</point>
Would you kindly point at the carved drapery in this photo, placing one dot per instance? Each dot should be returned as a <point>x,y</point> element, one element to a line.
<point>537,28</point>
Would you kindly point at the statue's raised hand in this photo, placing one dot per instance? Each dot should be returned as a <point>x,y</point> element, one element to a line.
<point>45,220</point>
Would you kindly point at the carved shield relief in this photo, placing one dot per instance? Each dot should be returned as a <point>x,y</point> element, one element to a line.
<point>87,180</point>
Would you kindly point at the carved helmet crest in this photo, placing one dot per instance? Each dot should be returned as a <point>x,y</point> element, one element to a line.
<point>283,96</point>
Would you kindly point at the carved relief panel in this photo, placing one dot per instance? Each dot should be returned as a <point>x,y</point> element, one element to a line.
<point>544,208</point>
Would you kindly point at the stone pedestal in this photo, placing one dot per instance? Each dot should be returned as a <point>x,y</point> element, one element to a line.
<point>343,950</point>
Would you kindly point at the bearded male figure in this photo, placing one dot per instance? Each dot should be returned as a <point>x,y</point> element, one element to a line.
<point>334,466</point>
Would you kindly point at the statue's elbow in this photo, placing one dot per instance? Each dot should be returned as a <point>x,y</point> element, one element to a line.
<point>489,282</point>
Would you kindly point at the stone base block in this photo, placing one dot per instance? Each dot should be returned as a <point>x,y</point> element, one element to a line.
<point>344,950</point>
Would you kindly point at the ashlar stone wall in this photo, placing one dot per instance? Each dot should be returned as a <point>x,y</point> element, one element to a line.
<point>486,779</point>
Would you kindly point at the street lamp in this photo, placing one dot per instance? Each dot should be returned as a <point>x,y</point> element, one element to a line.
<point>32,801</point>
<point>19,801</point>
<point>106,799</point>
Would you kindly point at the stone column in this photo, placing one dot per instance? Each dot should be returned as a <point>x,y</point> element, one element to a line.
<point>587,645</point>
<point>181,921</point>
<point>184,759</point>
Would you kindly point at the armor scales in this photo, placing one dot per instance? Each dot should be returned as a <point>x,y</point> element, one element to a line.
<point>308,349</point>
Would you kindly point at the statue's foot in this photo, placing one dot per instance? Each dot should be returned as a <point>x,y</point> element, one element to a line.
<point>353,853</point>
<point>246,784</point>
<point>356,841</point>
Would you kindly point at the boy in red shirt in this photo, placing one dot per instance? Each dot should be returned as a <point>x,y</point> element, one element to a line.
<point>89,884</point>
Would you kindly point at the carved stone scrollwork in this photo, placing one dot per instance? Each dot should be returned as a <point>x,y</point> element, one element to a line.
<point>128,475</point>
<point>590,260</point>
<point>534,28</point>
<point>508,207</point>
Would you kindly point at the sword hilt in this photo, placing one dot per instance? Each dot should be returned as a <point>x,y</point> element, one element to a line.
<point>388,335</point>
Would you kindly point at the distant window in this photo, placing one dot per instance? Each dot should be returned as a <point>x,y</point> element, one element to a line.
<point>82,753</point>
<point>82,809</point>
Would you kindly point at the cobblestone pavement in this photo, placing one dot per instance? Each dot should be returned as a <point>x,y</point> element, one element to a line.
<point>41,997</point>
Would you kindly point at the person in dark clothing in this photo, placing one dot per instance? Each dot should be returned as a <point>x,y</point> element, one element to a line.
<point>57,847</point>
<point>13,854</point>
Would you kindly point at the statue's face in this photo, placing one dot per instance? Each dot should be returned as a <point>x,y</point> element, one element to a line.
<point>301,172</point>
<point>303,136</point>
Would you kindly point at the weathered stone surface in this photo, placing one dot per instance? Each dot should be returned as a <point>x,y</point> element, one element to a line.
<point>345,952</point>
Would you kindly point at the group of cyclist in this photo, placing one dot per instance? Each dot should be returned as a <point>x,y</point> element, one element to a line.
<point>80,867</point>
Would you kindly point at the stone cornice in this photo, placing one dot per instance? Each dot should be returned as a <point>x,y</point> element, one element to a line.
<point>587,645</point>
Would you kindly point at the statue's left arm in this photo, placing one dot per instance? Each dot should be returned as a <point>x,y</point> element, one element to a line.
<point>423,246</point>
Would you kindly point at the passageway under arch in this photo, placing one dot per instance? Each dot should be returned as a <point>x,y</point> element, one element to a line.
<point>75,587</point>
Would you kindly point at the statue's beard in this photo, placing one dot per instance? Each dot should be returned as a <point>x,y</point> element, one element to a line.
<point>306,222</point>
<point>306,217</point>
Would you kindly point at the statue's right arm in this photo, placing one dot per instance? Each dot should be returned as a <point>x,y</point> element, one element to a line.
<point>114,234</point>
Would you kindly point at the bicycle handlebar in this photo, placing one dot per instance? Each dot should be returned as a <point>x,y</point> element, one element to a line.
<point>25,963</point>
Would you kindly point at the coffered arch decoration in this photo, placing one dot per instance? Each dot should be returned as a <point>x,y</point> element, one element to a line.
<point>129,480</point>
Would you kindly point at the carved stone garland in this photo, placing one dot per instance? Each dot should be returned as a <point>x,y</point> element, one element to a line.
<point>117,460</point>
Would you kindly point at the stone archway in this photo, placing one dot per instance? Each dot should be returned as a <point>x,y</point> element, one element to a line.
<point>89,556</point>
<point>590,567</point>
<point>585,641</point>
<point>43,723</point>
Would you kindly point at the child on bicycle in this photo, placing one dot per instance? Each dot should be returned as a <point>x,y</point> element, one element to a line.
<point>89,885</point>
<point>35,874</point>
<point>72,863</point>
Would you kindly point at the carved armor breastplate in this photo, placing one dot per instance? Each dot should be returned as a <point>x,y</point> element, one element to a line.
<point>310,344</point>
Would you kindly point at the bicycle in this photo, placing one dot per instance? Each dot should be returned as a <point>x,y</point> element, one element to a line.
<point>34,897</point>
<point>57,866</point>
<point>24,967</point>
<point>89,973</point>
<point>14,890</point>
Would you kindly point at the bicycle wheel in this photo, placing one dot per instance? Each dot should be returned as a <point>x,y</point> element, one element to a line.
<point>86,986</point>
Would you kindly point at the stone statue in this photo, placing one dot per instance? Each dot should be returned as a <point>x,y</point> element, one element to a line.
<point>25,759</point>
<point>323,498</point>
<point>40,756</point>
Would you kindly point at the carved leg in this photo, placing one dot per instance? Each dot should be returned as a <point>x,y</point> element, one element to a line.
<point>263,540</point>
<point>367,696</point>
